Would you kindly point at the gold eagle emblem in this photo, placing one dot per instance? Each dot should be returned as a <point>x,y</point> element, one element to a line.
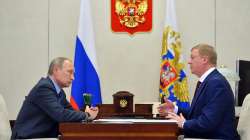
<point>131,12</point>
<point>123,103</point>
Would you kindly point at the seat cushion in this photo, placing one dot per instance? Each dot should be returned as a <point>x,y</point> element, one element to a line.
<point>5,130</point>
<point>244,123</point>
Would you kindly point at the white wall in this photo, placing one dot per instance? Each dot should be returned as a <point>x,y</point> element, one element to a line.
<point>32,32</point>
<point>23,48</point>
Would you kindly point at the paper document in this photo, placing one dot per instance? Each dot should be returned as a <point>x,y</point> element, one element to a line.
<point>134,120</point>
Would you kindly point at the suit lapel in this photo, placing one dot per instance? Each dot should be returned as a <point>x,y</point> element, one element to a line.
<point>200,90</point>
<point>198,94</point>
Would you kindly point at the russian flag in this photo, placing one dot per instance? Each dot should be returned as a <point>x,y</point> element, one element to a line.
<point>86,74</point>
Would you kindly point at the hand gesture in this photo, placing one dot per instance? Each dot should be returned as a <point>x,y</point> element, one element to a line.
<point>180,119</point>
<point>166,107</point>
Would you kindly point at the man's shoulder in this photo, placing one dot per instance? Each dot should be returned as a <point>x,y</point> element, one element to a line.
<point>215,77</point>
<point>44,82</point>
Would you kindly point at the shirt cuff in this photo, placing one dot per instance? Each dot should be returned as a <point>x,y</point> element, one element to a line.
<point>87,118</point>
<point>175,109</point>
<point>182,125</point>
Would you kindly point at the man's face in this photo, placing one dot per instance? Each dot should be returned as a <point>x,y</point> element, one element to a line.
<point>65,75</point>
<point>196,63</point>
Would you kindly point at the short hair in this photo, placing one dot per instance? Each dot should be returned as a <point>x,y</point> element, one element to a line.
<point>207,50</point>
<point>57,62</point>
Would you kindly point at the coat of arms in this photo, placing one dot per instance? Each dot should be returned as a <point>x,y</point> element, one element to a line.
<point>131,15</point>
<point>168,75</point>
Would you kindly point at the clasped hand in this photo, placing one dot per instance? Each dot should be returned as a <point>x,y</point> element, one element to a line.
<point>93,111</point>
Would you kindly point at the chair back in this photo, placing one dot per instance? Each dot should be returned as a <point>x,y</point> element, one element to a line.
<point>5,130</point>
<point>243,127</point>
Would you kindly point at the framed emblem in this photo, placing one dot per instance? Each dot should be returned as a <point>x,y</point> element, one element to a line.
<point>131,16</point>
<point>123,102</point>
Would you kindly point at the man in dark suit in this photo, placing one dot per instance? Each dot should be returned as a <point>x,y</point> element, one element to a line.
<point>46,105</point>
<point>212,113</point>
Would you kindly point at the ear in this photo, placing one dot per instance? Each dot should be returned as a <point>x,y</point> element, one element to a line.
<point>205,59</point>
<point>56,68</point>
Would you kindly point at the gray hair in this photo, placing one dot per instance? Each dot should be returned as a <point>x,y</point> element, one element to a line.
<point>57,62</point>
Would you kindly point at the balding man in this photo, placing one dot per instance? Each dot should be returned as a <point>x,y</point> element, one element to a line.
<point>46,105</point>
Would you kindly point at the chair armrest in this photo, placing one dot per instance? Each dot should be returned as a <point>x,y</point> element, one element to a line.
<point>12,123</point>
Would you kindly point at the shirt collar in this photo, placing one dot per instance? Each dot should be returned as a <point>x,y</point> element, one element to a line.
<point>58,89</point>
<point>204,76</point>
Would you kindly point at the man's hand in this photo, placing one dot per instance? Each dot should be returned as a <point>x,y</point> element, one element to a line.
<point>93,111</point>
<point>166,107</point>
<point>180,119</point>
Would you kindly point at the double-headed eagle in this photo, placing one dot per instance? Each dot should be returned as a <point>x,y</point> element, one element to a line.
<point>131,12</point>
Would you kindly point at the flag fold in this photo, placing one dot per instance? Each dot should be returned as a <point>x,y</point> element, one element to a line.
<point>173,80</point>
<point>86,74</point>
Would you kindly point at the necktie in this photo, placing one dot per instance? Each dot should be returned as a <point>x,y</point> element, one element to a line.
<point>197,86</point>
<point>196,89</point>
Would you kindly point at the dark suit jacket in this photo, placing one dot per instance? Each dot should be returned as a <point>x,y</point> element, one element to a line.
<point>212,113</point>
<point>42,111</point>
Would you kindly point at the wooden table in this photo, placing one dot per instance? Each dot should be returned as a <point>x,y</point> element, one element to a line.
<point>118,131</point>
<point>141,111</point>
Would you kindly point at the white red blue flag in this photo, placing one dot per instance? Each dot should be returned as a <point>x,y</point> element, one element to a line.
<point>86,73</point>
